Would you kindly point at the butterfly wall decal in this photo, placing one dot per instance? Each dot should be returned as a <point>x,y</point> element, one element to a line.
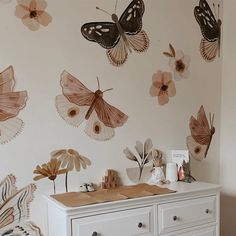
<point>121,36</point>
<point>201,135</point>
<point>78,103</point>
<point>210,28</point>
<point>10,105</point>
<point>14,209</point>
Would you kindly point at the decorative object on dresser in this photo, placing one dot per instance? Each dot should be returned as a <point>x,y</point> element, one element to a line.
<point>160,215</point>
<point>140,174</point>
<point>110,180</point>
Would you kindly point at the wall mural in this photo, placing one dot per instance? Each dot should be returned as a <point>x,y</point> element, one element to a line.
<point>163,87</point>
<point>120,36</point>
<point>32,13</point>
<point>210,28</point>
<point>14,210</point>
<point>78,103</point>
<point>178,62</point>
<point>202,132</point>
<point>10,105</point>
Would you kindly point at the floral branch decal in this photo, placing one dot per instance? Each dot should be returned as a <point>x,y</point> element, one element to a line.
<point>70,159</point>
<point>32,13</point>
<point>178,62</point>
<point>144,154</point>
<point>163,87</point>
<point>50,170</point>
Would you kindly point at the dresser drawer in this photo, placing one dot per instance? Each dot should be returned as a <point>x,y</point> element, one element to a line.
<point>184,214</point>
<point>126,223</point>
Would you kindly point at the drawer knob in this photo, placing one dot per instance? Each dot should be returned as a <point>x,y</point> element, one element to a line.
<point>95,234</point>
<point>175,218</point>
<point>207,211</point>
<point>140,225</point>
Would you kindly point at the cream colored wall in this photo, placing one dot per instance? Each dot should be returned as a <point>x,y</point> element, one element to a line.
<point>39,58</point>
<point>228,131</point>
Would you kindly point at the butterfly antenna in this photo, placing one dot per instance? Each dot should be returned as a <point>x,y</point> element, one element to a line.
<point>107,90</point>
<point>98,8</point>
<point>98,83</point>
<point>212,122</point>
<point>116,6</point>
<point>218,11</point>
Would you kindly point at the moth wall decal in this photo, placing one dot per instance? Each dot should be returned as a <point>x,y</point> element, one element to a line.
<point>210,28</point>
<point>10,105</point>
<point>78,103</point>
<point>120,36</point>
<point>201,135</point>
<point>14,209</point>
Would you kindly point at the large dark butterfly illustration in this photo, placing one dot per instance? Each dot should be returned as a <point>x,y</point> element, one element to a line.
<point>11,103</point>
<point>211,30</point>
<point>78,103</point>
<point>14,209</point>
<point>201,135</point>
<point>120,36</point>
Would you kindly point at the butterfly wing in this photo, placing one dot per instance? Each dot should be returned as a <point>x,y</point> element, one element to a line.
<point>139,42</point>
<point>104,33</point>
<point>97,130</point>
<point>109,115</point>
<point>209,26</point>
<point>70,112</point>
<point>28,228</point>
<point>7,188</point>
<point>208,49</point>
<point>131,19</point>
<point>11,103</point>
<point>16,208</point>
<point>75,91</point>
<point>119,54</point>
<point>196,150</point>
<point>7,80</point>
<point>200,129</point>
<point>10,128</point>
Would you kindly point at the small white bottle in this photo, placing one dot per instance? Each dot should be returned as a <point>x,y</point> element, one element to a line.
<point>171,172</point>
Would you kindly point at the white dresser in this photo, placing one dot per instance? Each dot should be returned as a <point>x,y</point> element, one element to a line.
<point>192,211</point>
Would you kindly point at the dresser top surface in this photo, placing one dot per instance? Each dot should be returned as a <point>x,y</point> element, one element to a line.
<point>182,190</point>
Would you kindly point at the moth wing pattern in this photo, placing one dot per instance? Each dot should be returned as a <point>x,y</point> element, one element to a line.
<point>10,128</point>
<point>104,33</point>
<point>131,19</point>
<point>70,112</point>
<point>200,129</point>
<point>7,188</point>
<point>196,150</point>
<point>97,130</point>
<point>7,80</point>
<point>16,209</point>
<point>75,91</point>
<point>109,115</point>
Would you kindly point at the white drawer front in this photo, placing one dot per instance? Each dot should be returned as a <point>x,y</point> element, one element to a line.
<point>125,223</point>
<point>184,214</point>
